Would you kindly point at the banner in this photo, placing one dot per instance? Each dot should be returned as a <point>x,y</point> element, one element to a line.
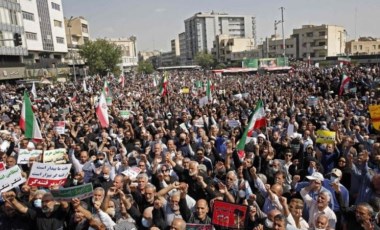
<point>324,136</point>
<point>59,126</point>
<point>46,175</point>
<point>132,172</point>
<point>55,156</point>
<point>203,101</point>
<point>312,101</point>
<point>233,123</point>
<point>66,194</point>
<point>125,114</point>
<point>10,178</point>
<point>109,101</point>
<point>198,226</point>
<point>374,111</point>
<point>185,90</point>
<point>229,215</point>
<point>24,155</point>
<point>199,123</point>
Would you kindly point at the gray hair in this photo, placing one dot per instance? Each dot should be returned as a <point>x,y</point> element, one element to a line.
<point>149,185</point>
<point>366,205</point>
<point>142,175</point>
<point>100,189</point>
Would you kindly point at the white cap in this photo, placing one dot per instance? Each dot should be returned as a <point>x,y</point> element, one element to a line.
<point>336,172</point>
<point>316,176</point>
<point>261,135</point>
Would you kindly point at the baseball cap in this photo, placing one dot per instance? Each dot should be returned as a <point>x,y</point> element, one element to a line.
<point>336,172</point>
<point>316,176</point>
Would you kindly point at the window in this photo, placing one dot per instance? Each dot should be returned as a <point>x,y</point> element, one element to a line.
<point>355,47</point>
<point>57,23</point>
<point>84,28</point>
<point>322,33</point>
<point>60,40</point>
<point>310,34</point>
<point>28,16</point>
<point>13,17</point>
<point>378,47</point>
<point>1,38</point>
<point>374,47</point>
<point>55,6</point>
<point>322,43</point>
<point>31,36</point>
<point>360,47</point>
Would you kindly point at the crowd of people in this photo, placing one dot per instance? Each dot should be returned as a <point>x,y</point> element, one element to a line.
<point>187,156</point>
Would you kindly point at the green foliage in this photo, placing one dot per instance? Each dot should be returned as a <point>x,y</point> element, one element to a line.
<point>145,67</point>
<point>205,60</point>
<point>101,56</point>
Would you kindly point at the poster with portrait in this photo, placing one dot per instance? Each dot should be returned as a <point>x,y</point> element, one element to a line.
<point>229,215</point>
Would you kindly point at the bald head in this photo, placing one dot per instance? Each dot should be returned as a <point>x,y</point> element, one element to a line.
<point>178,224</point>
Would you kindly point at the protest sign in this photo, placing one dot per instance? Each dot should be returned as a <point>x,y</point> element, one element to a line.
<point>203,101</point>
<point>325,136</point>
<point>199,123</point>
<point>184,128</point>
<point>132,172</point>
<point>198,226</point>
<point>59,127</point>
<point>229,215</point>
<point>374,111</point>
<point>24,155</point>
<point>312,101</point>
<point>55,156</point>
<point>46,175</point>
<point>185,90</point>
<point>67,194</point>
<point>125,114</point>
<point>233,123</point>
<point>290,130</point>
<point>10,178</point>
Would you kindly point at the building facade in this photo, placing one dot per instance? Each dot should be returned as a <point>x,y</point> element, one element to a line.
<point>227,48</point>
<point>77,33</point>
<point>44,31</point>
<point>129,55</point>
<point>363,46</point>
<point>202,28</point>
<point>11,54</point>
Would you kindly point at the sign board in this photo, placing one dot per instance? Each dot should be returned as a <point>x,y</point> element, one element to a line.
<point>229,215</point>
<point>10,178</point>
<point>67,194</point>
<point>46,175</point>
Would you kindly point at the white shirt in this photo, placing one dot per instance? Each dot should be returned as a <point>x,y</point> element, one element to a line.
<point>314,212</point>
<point>303,223</point>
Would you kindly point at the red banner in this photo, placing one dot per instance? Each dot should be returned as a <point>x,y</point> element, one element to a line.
<point>229,215</point>
<point>45,182</point>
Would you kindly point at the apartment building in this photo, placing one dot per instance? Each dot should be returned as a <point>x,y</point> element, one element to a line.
<point>363,46</point>
<point>227,48</point>
<point>11,54</point>
<point>129,55</point>
<point>202,28</point>
<point>44,31</point>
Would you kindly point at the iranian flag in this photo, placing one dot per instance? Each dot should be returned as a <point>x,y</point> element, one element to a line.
<point>164,85</point>
<point>122,80</point>
<point>102,111</point>
<point>344,84</point>
<point>106,89</point>
<point>257,121</point>
<point>208,91</point>
<point>28,122</point>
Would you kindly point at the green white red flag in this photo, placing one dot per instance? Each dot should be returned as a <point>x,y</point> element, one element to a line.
<point>164,85</point>
<point>102,111</point>
<point>28,122</point>
<point>257,121</point>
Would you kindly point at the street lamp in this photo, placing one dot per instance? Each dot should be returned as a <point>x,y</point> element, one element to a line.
<point>133,39</point>
<point>71,48</point>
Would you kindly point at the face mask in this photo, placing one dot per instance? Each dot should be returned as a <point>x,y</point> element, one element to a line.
<point>310,170</point>
<point>37,203</point>
<point>106,177</point>
<point>146,223</point>
<point>111,212</point>
<point>75,181</point>
<point>242,194</point>
<point>101,162</point>
<point>268,223</point>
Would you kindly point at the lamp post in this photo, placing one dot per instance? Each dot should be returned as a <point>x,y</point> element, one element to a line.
<point>282,24</point>
<point>71,48</point>
<point>133,39</point>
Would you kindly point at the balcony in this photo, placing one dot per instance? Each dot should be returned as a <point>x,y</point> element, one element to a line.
<point>319,47</point>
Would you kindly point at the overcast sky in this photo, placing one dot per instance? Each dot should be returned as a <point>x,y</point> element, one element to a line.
<point>156,22</point>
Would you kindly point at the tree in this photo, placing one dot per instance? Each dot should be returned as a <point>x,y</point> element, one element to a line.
<point>101,56</point>
<point>145,67</point>
<point>205,60</point>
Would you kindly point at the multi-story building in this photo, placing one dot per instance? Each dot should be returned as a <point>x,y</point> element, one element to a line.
<point>309,41</point>
<point>202,28</point>
<point>11,55</point>
<point>129,55</point>
<point>226,48</point>
<point>182,48</point>
<point>44,31</point>
<point>363,46</point>
<point>77,33</point>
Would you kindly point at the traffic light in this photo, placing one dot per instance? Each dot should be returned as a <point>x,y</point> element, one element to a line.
<point>17,39</point>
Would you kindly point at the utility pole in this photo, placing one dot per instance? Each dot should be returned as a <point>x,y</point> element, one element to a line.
<point>282,24</point>
<point>71,43</point>
<point>275,34</point>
